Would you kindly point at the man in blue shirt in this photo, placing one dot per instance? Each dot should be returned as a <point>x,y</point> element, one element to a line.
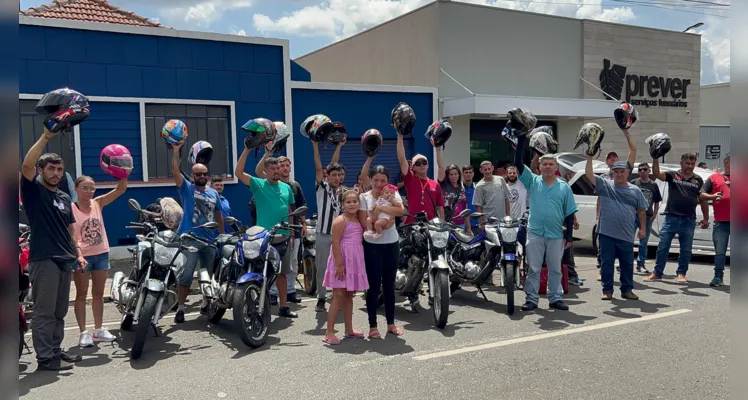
<point>201,205</point>
<point>468,173</point>
<point>552,206</point>
<point>620,203</point>
<point>216,183</point>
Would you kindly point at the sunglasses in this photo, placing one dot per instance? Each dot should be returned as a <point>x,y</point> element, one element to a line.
<point>420,163</point>
<point>87,188</point>
<point>199,174</point>
<point>643,169</point>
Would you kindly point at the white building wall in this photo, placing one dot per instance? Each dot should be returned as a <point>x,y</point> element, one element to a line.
<point>458,147</point>
<point>715,105</point>
<point>504,52</point>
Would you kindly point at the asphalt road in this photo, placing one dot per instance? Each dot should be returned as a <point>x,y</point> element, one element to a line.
<point>672,344</point>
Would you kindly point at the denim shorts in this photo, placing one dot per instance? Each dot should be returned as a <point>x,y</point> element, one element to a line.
<point>98,263</point>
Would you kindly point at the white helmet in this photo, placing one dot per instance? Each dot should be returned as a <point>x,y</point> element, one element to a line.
<point>542,141</point>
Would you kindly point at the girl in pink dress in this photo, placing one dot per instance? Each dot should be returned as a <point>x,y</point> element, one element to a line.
<point>346,272</point>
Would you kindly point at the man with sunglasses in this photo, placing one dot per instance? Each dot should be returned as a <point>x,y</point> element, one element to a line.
<point>424,193</point>
<point>652,195</point>
<point>201,204</point>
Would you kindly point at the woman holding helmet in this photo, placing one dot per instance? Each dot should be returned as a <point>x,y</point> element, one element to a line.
<point>92,238</point>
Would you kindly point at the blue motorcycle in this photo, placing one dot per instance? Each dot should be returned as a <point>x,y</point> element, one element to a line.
<point>250,263</point>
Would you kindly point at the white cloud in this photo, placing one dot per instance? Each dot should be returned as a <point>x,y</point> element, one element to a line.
<point>240,32</point>
<point>715,54</point>
<point>199,13</point>
<point>338,19</point>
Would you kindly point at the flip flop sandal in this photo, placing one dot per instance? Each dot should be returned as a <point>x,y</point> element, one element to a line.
<point>355,335</point>
<point>374,334</point>
<point>331,341</point>
<point>396,331</point>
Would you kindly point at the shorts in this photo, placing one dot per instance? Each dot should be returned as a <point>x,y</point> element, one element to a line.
<point>289,261</point>
<point>205,254</point>
<point>98,262</point>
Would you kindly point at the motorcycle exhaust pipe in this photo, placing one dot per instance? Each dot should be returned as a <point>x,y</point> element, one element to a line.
<point>206,287</point>
<point>114,290</point>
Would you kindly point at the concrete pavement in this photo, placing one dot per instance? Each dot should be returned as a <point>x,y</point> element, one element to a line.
<point>672,344</point>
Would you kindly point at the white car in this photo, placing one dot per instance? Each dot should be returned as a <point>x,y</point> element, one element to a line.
<point>571,166</point>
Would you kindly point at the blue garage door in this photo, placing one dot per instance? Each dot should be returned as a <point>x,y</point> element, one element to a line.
<point>353,159</point>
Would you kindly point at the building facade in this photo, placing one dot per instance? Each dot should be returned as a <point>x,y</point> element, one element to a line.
<point>139,77</point>
<point>715,124</point>
<point>487,60</point>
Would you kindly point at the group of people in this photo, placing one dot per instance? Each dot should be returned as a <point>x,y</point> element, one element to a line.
<point>356,237</point>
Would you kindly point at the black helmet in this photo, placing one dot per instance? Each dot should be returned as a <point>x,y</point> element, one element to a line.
<point>521,122</point>
<point>278,143</point>
<point>316,127</point>
<point>371,142</point>
<point>260,131</point>
<point>338,133</point>
<point>64,108</point>
<point>659,144</point>
<point>439,132</point>
<point>625,115</point>
<point>542,141</point>
<point>592,135</point>
<point>403,119</point>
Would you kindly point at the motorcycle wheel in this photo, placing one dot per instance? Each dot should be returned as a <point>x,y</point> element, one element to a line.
<point>441,299</point>
<point>144,324</point>
<point>215,313</point>
<point>251,323</point>
<point>509,286</point>
<point>126,322</point>
<point>310,276</point>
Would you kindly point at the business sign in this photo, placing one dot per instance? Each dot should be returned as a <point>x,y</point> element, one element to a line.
<point>713,151</point>
<point>643,90</point>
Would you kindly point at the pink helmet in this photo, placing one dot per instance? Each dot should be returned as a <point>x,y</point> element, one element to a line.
<point>116,161</point>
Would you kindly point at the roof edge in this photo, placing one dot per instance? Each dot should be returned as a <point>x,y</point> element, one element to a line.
<point>148,30</point>
<point>715,85</point>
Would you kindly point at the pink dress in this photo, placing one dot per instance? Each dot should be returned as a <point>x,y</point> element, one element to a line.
<point>352,250</point>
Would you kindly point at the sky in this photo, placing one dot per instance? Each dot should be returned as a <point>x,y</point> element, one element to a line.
<point>312,24</point>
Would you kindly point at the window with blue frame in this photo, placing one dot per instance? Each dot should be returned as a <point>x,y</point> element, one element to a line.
<point>31,127</point>
<point>204,122</point>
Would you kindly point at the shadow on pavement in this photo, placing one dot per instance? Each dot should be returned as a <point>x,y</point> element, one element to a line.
<point>38,378</point>
<point>389,345</point>
<point>552,320</point>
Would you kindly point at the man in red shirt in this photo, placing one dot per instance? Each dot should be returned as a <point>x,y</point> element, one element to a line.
<point>717,190</point>
<point>424,193</point>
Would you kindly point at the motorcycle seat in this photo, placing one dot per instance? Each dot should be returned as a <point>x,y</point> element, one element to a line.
<point>462,236</point>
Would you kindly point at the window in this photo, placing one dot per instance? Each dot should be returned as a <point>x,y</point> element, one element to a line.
<point>209,123</point>
<point>31,126</point>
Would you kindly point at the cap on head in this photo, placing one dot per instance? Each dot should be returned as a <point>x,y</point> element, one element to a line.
<point>619,165</point>
<point>611,154</point>
<point>419,157</point>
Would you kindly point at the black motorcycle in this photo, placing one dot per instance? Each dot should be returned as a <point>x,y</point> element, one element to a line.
<point>308,256</point>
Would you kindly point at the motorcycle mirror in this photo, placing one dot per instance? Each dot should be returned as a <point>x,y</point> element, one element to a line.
<point>209,225</point>
<point>134,205</point>
<point>464,213</point>
<point>231,220</point>
<point>299,211</point>
<point>476,215</point>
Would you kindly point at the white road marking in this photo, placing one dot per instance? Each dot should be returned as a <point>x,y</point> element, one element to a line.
<point>110,323</point>
<point>548,335</point>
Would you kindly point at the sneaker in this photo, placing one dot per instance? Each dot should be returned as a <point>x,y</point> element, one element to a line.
<point>716,282</point>
<point>179,317</point>
<point>629,296</point>
<point>103,335</point>
<point>85,340</point>
<point>55,364</point>
<point>576,281</point>
<point>66,357</point>
<point>286,312</point>
<point>681,278</point>
<point>559,305</point>
<point>640,268</point>
<point>320,307</point>
<point>606,296</point>
<point>529,306</point>
<point>653,278</point>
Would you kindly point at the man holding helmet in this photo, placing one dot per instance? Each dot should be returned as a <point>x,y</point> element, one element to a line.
<point>201,204</point>
<point>680,210</point>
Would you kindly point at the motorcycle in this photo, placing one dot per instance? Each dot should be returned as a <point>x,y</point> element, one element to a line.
<point>150,291</point>
<point>427,241</point>
<point>475,258</point>
<point>249,266</point>
<point>24,286</point>
<point>307,257</point>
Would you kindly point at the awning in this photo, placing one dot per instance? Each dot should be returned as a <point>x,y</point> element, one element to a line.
<point>540,106</point>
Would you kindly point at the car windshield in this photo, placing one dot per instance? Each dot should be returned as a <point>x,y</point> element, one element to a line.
<point>573,158</point>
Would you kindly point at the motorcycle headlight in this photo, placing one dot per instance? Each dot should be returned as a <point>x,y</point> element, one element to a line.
<point>509,235</point>
<point>251,249</point>
<point>439,239</point>
<point>311,235</point>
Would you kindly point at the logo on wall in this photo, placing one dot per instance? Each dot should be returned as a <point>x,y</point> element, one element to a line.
<point>642,90</point>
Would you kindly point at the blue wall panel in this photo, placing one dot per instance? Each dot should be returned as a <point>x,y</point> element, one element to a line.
<point>299,73</point>
<point>110,123</point>
<point>104,48</point>
<point>124,81</point>
<point>359,111</point>
<point>160,83</point>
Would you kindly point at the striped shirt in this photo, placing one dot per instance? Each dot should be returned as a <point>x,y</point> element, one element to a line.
<point>328,207</point>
